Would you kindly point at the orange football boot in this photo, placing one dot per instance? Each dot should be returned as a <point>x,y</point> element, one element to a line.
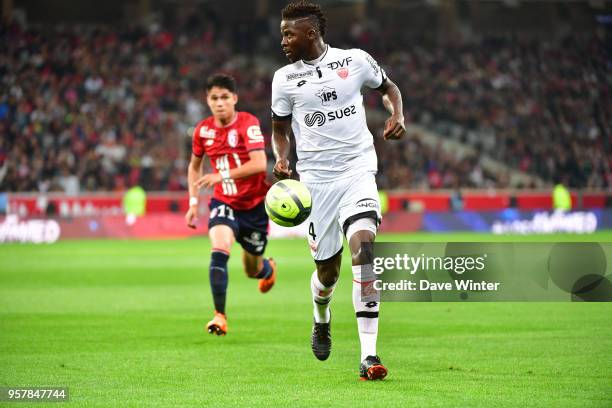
<point>266,284</point>
<point>218,325</point>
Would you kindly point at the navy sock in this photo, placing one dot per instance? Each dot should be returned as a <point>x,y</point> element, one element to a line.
<point>218,279</point>
<point>266,270</point>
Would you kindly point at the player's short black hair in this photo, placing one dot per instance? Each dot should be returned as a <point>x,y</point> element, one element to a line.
<point>222,81</point>
<point>305,9</point>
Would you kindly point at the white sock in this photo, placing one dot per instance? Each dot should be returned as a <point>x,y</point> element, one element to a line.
<point>321,297</point>
<point>366,301</point>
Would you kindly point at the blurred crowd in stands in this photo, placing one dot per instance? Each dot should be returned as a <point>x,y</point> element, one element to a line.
<point>100,108</point>
<point>540,107</point>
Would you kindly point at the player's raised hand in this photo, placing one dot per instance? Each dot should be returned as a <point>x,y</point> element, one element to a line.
<point>281,169</point>
<point>394,128</point>
<point>208,180</point>
<point>191,218</point>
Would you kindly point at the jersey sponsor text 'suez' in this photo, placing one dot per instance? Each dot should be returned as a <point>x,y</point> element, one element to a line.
<point>323,98</point>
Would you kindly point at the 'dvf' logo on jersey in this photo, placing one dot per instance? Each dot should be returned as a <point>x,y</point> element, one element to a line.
<point>327,94</point>
<point>341,67</point>
<point>339,64</point>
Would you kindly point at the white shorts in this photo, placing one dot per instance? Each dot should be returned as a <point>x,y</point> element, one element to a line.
<point>334,206</point>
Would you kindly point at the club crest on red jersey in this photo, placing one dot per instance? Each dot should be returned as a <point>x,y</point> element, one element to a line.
<point>232,138</point>
<point>343,73</point>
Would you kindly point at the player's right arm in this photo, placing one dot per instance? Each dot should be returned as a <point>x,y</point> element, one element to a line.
<point>280,147</point>
<point>282,107</point>
<point>194,172</point>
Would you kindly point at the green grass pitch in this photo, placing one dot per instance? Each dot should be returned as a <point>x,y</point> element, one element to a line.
<point>121,324</point>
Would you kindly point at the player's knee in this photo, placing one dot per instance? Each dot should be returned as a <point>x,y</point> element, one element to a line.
<point>329,271</point>
<point>221,243</point>
<point>221,238</point>
<point>222,246</point>
<point>360,232</point>
<point>362,254</point>
<point>329,277</point>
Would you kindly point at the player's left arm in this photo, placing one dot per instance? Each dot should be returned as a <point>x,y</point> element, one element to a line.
<point>395,128</point>
<point>257,164</point>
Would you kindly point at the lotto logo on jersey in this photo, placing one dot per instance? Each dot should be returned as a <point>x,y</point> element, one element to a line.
<point>319,118</point>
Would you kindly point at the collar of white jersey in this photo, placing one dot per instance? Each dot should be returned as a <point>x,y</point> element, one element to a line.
<point>319,59</point>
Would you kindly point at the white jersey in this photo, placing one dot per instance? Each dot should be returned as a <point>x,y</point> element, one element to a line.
<point>324,100</point>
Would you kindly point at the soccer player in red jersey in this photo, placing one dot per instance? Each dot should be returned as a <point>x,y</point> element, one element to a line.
<point>234,143</point>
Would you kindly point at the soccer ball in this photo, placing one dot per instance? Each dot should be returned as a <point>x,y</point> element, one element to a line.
<point>288,203</point>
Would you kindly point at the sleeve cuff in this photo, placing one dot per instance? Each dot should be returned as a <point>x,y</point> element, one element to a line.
<point>280,117</point>
<point>382,84</point>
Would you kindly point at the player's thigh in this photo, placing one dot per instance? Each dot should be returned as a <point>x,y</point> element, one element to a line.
<point>222,225</point>
<point>253,231</point>
<point>323,231</point>
<point>360,201</point>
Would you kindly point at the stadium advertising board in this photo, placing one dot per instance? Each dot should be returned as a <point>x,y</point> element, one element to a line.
<point>170,225</point>
<point>512,221</point>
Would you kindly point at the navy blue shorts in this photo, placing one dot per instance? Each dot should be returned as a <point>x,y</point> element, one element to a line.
<point>250,226</point>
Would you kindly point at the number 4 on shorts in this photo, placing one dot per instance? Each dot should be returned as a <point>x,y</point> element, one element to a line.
<point>311,231</point>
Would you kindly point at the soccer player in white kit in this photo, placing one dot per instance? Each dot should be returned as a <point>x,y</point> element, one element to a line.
<point>319,97</point>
